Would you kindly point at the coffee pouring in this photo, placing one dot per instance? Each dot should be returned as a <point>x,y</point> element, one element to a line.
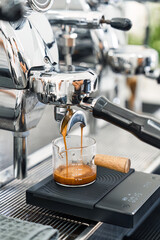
<point>75,161</point>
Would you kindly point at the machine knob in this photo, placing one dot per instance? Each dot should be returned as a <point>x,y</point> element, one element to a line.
<point>40,5</point>
<point>123,24</point>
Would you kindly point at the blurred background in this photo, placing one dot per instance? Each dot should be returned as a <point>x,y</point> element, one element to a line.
<point>145,31</point>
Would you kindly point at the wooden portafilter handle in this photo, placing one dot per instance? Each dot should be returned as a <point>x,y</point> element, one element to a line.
<point>120,164</point>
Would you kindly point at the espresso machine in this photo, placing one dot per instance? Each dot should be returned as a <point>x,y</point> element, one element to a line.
<point>92,41</point>
<point>30,79</point>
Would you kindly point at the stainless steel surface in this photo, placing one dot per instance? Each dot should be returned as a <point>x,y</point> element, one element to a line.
<point>59,113</point>
<point>20,110</point>
<point>12,198</point>
<point>132,60</point>
<point>88,103</point>
<point>6,173</point>
<point>80,19</point>
<point>95,3</point>
<point>71,119</point>
<point>20,155</point>
<point>88,232</point>
<point>67,42</point>
<point>66,87</point>
<point>18,43</point>
<point>40,5</point>
<point>88,20</point>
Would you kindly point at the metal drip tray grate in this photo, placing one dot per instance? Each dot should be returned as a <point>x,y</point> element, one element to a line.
<point>13,204</point>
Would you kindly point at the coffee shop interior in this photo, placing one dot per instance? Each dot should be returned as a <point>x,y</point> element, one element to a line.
<point>79,120</point>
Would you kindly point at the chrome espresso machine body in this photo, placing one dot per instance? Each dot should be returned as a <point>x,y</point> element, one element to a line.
<point>24,46</point>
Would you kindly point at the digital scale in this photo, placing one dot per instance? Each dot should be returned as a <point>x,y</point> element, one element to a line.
<point>115,198</point>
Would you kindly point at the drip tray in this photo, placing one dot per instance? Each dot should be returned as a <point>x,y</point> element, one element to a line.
<point>116,198</point>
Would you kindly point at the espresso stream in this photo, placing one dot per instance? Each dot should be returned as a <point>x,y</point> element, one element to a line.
<point>73,174</point>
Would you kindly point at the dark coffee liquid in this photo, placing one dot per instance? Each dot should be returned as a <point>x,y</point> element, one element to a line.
<point>77,174</point>
<point>81,141</point>
<point>64,134</point>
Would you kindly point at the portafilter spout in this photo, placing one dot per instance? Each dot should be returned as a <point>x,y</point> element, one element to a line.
<point>71,119</point>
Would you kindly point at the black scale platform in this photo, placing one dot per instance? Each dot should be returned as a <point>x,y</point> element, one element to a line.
<point>85,201</point>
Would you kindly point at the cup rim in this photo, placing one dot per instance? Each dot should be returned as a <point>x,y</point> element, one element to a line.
<point>84,147</point>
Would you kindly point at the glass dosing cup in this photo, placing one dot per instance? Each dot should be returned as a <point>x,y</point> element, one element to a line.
<point>74,167</point>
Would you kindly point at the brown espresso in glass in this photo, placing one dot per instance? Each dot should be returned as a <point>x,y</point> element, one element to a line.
<point>73,174</point>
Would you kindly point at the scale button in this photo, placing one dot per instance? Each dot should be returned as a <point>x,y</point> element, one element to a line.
<point>125,205</point>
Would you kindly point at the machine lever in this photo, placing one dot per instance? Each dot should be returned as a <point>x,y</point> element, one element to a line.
<point>123,24</point>
<point>86,20</point>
